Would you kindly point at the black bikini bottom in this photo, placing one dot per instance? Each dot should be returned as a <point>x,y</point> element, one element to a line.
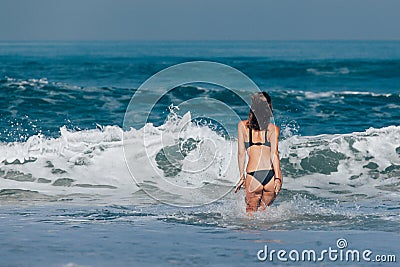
<point>263,176</point>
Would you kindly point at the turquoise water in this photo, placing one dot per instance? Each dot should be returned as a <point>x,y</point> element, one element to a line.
<point>68,198</point>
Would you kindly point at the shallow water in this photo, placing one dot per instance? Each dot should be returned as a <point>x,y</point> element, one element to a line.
<point>71,235</point>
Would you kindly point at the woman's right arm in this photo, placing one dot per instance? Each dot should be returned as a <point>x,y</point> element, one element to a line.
<point>241,155</point>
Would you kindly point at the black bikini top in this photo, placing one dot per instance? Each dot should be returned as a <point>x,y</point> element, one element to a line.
<point>250,143</point>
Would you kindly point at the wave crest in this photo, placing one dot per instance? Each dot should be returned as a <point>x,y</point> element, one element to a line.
<point>361,164</point>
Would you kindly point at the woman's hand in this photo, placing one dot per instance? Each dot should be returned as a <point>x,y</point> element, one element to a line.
<point>277,185</point>
<point>241,182</point>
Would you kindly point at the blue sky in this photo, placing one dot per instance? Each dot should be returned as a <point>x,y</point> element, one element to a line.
<point>199,20</point>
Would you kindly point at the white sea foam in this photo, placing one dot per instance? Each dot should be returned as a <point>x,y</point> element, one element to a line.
<point>363,164</point>
<point>318,72</point>
<point>93,161</point>
<point>22,84</point>
<point>345,166</point>
<point>331,94</point>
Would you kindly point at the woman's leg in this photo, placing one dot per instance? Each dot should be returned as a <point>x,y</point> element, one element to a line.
<point>254,191</point>
<point>268,194</point>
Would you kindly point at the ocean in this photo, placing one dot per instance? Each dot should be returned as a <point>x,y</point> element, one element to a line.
<point>69,198</point>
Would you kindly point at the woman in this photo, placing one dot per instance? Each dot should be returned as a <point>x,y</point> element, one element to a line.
<point>259,138</point>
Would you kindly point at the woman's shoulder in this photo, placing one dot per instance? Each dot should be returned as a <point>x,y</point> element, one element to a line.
<point>242,123</point>
<point>273,128</point>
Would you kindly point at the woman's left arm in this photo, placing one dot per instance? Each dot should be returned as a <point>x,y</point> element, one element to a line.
<point>275,159</point>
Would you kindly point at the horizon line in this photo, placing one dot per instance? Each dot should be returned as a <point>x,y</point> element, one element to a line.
<point>198,40</point>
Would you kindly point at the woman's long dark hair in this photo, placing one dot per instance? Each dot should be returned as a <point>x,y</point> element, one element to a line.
<point>260,112</point>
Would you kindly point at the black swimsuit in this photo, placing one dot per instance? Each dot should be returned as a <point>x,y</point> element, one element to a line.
<point>263,176</point>
<point>250,143</point>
